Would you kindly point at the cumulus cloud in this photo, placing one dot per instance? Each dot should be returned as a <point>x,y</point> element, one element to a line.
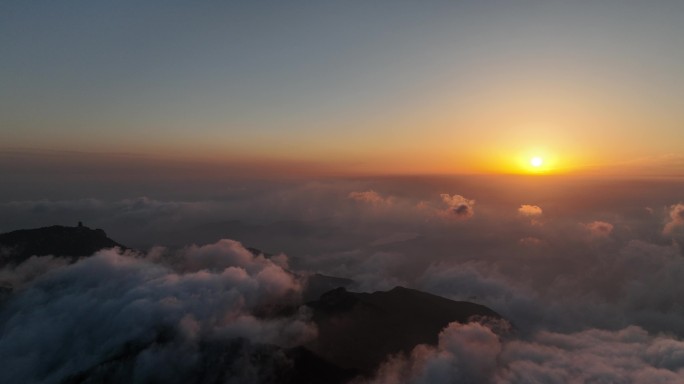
<point>530,210</point>
<point>465,353</point>
<point>370,197</point>
<point>15,277</point>
<point>599,228</point>
<point>458,206</point>
<point>84,315</point>
<point>218,256</point>
<point>473,353</point>
<point>627,355</point>
<point>676,219</point>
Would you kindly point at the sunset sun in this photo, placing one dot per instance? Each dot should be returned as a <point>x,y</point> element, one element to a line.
<point>536,161</point>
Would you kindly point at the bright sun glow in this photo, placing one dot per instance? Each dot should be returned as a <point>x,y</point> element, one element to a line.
<point>536,161</point>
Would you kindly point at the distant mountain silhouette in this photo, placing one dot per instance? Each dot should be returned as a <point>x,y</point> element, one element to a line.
<point>360,330</point>
<point>357,332</point>
<point>318,284</point>
<point>57,240</point>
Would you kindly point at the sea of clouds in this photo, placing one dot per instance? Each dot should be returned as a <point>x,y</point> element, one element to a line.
<point>591,273</point>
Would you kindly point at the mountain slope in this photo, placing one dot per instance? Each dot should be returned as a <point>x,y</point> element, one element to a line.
<point>359,330</point>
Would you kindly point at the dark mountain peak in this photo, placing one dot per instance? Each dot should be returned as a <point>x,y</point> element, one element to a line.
<point>57,240</point>
<point>337,292</point>
<point>359,330</point>
<point>336,300</point>
<point>317,284</point>
<point>258,252</point>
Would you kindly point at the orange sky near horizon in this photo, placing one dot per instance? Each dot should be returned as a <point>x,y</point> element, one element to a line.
<point>352,88</point>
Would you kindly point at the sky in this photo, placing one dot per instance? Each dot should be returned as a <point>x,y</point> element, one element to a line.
<point>447,87</point>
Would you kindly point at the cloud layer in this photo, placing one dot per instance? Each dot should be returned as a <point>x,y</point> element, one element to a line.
<point>159,314</point>
<point>473,353</point>
<point>600,264</point>
<point>530,210</point>
<point>459,206</point>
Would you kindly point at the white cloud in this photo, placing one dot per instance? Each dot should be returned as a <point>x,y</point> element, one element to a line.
<point>458,206</point>
<point>530,210</point>
<point>370,197</point>
<point>599,228</point>
<point>472,353</point>
<point>89,310</point>
<point>676,219</point>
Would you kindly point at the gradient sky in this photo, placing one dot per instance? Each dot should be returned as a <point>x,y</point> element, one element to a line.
<point>393,87</point>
